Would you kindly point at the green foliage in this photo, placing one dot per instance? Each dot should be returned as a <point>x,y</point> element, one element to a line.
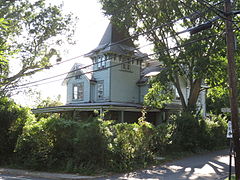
<point>162,138</point>
<point>67,145</point>
<point>158,95</point>
<point>213,132</point>
<point>130,145</point>
<point>31,33</point>
<point>194,135</point>
<point>186,134</point>
<point>195,61</point>
<point>12,120</point>
<point>48,102</point>
<point>93,145</point>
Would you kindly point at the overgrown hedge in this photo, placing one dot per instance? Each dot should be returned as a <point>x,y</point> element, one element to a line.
<point>12,120</point>
<point>55,143</point>
<point>86,146</point>
<point>83,146</point>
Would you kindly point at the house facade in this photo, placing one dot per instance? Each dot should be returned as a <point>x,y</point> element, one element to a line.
<point>116,82</point>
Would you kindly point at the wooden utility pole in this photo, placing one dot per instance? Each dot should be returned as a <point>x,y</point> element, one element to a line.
<point>232,85</point>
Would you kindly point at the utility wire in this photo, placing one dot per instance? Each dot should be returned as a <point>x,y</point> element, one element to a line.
<point>217,11</point>
<point>163,50</point>
<point>123,40</point>
<point>87,66</point>
<point>200,13</point>
<point>126,39</point>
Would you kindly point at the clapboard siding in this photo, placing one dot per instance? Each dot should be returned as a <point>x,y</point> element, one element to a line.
<point>86,94</point>
<point>102,75</point>
<point>123,84</point>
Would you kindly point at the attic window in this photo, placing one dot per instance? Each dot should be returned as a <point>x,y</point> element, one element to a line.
<point>78,90</point>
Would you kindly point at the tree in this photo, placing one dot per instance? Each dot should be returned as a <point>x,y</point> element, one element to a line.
<point>12,120</point>
<point>195,58</point>
<point>31,32</point>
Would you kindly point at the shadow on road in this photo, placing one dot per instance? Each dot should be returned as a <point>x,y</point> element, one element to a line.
<point>209,166</point>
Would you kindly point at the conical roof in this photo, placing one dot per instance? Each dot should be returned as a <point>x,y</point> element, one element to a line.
<point>116,35</point>
<point>114,40</point>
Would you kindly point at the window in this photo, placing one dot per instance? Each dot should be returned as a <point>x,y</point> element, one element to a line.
<point>127,65</point>
<point>177,94</point>
<point>101,62</point>
<point>78,77</point>
<point>78,90</point>
<point>100,92</point>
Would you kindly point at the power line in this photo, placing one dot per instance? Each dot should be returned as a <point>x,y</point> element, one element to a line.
<point>178,33</point>
<point>216,10</point>
<point>84,67</point>
<point>176,47</point>
<point>126,39</point>
<point>133,36</point>
<point>201,13</point>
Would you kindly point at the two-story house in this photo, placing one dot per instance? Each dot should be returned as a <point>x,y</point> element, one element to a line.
<point>116,82</point>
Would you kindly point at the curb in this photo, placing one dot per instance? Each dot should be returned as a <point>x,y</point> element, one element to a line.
<point>59,176</point>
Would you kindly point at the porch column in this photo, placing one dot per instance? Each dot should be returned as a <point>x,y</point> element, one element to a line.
<point>101,113</point>
<point>122,116</point>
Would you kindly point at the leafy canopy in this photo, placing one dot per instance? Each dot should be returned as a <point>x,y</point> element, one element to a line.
<point>191,59</point>
<point>31,32</point>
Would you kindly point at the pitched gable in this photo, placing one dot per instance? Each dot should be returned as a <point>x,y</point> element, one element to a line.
<point>78,70</point>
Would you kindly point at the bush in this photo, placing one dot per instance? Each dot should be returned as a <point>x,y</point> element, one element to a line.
<point>194,134</point>
<point>129,145</point>
<point>162,138</point>
<point>214,131</point>
<point>89,146</point>
<point>12,120</point>
<point>60,144</point>
<point>67,145</point>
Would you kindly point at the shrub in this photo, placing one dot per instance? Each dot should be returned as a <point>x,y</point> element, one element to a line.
<point>12,119</point>
<point>213,130</point>
<point>92,145</point>
<point>129,145</point>
<point>67,145</point>
<point>194,134</point>
<point>162,138</point>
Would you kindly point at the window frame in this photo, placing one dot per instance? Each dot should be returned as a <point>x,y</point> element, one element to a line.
<point>78,91</point>
<point>100,97</point>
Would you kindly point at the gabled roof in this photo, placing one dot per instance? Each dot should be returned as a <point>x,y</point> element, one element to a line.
<point>116,40</point>
<point>152,68</point>
<point>87,72</point>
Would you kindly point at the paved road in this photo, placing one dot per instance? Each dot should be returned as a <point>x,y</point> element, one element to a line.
<point>210,166</point>
<point>14,177</point>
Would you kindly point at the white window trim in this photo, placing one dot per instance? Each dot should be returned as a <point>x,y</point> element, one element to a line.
<point>102,90</point>
<point>78,91</point>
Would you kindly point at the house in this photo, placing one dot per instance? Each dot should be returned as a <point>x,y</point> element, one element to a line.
<point>116,82</point>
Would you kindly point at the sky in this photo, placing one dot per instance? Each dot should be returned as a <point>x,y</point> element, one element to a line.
<point>89,30</point>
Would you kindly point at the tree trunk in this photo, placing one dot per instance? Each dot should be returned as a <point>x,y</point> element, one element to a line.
<point>194,93</point>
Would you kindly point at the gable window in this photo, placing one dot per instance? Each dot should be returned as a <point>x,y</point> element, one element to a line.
<point>100,90</point>
<point>78,90</point>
